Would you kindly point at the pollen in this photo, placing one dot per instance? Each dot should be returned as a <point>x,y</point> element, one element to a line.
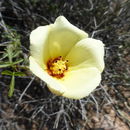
<point>57,67</point>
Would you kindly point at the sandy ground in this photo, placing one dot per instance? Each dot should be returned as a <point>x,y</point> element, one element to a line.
<point>32,106</point>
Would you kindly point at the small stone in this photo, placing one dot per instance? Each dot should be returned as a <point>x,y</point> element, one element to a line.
<point>112,92</point>
<point>95,119</point>
<point>22,127</point>
<point>126,94</point>
<point>112,113</point>
<point>107,109</point>
<point>121,105</point>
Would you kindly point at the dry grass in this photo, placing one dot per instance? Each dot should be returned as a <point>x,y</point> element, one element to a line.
<point>32,106</point>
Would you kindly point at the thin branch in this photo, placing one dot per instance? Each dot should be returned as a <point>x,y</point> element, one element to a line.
<point>20,98</point>
<point>58,116</point>
<point>97,106</point>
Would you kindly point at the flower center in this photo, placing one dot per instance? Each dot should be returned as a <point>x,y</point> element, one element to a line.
<point>57,67</point>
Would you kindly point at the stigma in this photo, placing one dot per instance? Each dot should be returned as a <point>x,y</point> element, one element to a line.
<point>57,67</point>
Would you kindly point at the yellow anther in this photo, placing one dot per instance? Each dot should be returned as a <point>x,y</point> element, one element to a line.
<point>57,67</point>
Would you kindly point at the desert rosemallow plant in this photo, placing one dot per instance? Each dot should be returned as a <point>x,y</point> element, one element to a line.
<point>66,59</point>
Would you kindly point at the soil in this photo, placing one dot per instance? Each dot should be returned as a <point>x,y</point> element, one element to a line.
<point>33,106</point>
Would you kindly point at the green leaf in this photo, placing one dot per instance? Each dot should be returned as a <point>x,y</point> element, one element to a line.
<point>11,87</point>
<point>17,62</point>
<point>19,74</point>
<point>7,72</point>
<point>3,56</point>
<point>16,54</point>
<point>10,52</point>
<point>8,64</point>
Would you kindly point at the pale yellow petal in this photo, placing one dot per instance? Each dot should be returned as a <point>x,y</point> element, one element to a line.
<point>81,83</point>
<point>52,83</point>
<point>39,44</point>
<point>54,40</point>
<point>63,37</point>
<point>87,53</point>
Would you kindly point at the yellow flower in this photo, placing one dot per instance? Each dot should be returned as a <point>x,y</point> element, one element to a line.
<point>66,59</point>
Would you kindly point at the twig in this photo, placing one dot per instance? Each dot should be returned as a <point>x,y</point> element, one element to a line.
<point>97,31</point>
<point>66,123</point>
<point>91,8</point>
<point>2,24</point>
<point>97,106</point>
<point>20,98</point>
<point>45,19</point>
<point>26,89</point>
<point>109,97</point>
<point>58,116</point>
<point>83,111</point>
<point>40,110</point>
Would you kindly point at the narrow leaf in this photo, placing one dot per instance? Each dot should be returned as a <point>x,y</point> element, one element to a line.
<point>8,64</point>
<point>7,72</point>
<point>11,87</point>
<point>19,74</point>
<point>17,62</point>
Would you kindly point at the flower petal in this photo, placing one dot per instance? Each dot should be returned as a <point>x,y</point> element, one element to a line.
<point>81,83</point>
<point>39,48</point>
<point>52,83</point>
<point>48,41</point>
<point>63,37</point>
<point>87,53</point>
